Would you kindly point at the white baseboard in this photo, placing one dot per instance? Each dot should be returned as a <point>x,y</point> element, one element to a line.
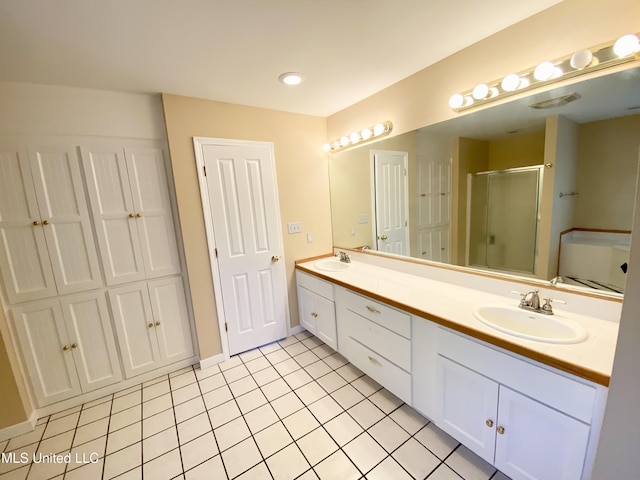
<point>19,428</point>
<point>211,361</point>
<point>296,329</point>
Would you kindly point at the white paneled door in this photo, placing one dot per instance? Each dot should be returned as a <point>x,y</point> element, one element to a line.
<point>243,204</point>
<point>391,204</point>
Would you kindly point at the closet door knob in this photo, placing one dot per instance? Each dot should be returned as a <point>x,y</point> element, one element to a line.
<point>489,423</point>
<point>500,430</point>
<point>157,324</point>
<point>65,348</point>
<point>131,215</point>
<point>150,325</point>
<point>138,215</point>
<point>74,345</point>
<point>45,222</point>
<point>36,222</point>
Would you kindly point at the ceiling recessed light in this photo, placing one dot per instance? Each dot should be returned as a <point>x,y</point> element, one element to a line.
<point>291,78</point>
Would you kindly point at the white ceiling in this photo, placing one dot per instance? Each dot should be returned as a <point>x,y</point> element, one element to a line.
<point>234,50</point>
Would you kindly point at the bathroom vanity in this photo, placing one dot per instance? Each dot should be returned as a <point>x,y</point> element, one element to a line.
<point>532,409</point>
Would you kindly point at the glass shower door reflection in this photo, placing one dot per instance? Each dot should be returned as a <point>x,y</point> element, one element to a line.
<point>504,237</point>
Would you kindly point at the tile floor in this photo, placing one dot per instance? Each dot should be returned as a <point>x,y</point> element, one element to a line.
<point>291,409</point>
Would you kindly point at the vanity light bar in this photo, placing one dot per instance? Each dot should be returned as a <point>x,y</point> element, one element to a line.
<point>625,49</point>
<point>376,131</point>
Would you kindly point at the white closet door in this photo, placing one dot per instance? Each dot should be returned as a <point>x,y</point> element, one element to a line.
<point>135,328</point>
<point>171,319</point>
<point>65,218</point>
<point>152,204</point>
<point>113,213</point>
<point>47,351</point>
<point>92,341</point>
<point>24,260</point>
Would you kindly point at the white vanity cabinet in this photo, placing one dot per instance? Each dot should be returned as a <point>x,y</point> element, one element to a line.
<point>131,206</point>
<point>151,323</point>
<point>68,345</point>
<point>375,338</point>
<point>530,422</point>
<point>316,308</point>
<point>47,246</point>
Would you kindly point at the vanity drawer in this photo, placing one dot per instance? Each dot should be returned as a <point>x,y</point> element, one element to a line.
<point>390,318</point>
<point>377,338</point>
<point>322,288</point>
<point>390,376</point>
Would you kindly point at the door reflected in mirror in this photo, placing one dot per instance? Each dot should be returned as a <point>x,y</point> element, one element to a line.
<point>510,189</point>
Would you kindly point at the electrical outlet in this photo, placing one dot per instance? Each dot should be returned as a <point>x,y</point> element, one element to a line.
<point>309,237</point>
<point>352,231</point>
<point>294,227</point>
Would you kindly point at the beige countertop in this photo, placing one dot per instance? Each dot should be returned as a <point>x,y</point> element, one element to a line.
<point>452,306</point>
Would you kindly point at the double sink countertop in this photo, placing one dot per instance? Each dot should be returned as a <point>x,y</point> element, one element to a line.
<point>452,306</point>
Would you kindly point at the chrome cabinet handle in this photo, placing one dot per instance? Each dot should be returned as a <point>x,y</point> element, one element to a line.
<point>374,361</point>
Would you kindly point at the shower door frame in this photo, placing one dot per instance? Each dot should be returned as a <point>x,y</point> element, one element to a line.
<point>540,169</point>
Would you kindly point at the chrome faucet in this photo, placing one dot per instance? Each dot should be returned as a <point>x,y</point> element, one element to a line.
<point>531,301</point>
<point>344,257</point>
<point>556,280</point>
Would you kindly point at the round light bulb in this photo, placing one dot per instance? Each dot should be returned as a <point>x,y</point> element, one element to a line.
<point>326,147</point>
<point>344,141</point>
<point>511,82</point>
<point>378,129</point>
<point>456,101</point>
<point>626,45</point>
<point>544,71</point>
<point>354,137</point>
<point>335,144</point>
<point>557,72</point>
<point>366,133</point>
<point>581,59</point>
<point>480,91</point>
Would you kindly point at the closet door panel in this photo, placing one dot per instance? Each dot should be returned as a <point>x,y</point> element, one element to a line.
<point>113,212</point>
<point>89,328</point>
<point>46,351</point>
<point>135,328</point>
<point>152,203</point>
<point>171,319</point>
<point>24,260</point>
<point>65,218</point>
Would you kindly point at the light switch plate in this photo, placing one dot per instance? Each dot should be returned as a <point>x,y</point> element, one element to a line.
<point>294,227</point>
<point>363,218</point>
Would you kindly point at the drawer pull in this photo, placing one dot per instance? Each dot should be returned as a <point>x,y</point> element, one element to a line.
<point>500,430</point>
<point>489,423</point>
<point>314,314</point>
<point>372,310</point>
<point>374,361</point>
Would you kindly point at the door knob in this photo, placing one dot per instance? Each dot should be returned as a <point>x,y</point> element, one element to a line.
<point>275,258</point>
<point>65,348</point>
<point>74,345</point>
<point>382,237</point>
<point>36,222</point>
<point>138,215</point>
<point>150,325</point>
<point>131,215</point>
<point>45,222</point>
<point>489,423</point>
<point>500,430</point>
<point>157,324</point>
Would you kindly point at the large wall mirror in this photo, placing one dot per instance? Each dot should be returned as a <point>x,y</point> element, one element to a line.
<point>539,187</point>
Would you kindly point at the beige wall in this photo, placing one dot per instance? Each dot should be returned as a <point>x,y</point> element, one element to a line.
<point>518,150</point>
<point>608,153</point>
<point>303,185</point>
<point>13,409</point>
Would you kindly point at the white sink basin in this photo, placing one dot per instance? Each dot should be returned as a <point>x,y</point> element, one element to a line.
<point>330,265</point>
<point>530,325</point>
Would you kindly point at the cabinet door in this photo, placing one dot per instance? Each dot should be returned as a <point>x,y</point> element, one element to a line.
<point>94,350</point>
<point>46,351</point>
<point>467,407</point>
<point>171,320</point>
<point>65,218</point>
<point>326,321</point>
<point>152,203</point>
<point>538,442</point>
<point>24,260</point>
<point>135,328</point>
<point>113,213</point>
<point>306,309</point>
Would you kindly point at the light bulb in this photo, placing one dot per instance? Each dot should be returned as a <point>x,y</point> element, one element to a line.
<point>626,45</point>
<point>291,78</point>
<point>511,82</point>
<point>354,137</point>
<point>366,133</point>
<point>379,129</point>
<point>456,101</point>
<point>344,141</point>
<point>335,144</point>
<point>581,59</point>
<point>480,91</point>
<point>544,71</point>
<point>326,147</point>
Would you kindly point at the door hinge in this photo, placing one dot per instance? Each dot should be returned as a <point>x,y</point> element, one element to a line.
<point>205,170</point>
<point>216,252</point>
<point>226,327</point>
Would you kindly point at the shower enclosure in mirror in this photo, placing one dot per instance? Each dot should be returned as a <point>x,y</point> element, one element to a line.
<point>589,148</point>
<point>502,219</point>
